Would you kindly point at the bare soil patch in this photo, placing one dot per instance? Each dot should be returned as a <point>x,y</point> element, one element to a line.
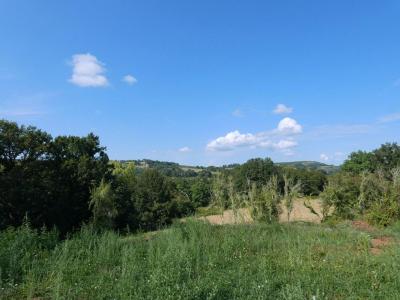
<point>363,226</point>
<point>229,217</point>
<point>299,213</point>
<point>378,244</point>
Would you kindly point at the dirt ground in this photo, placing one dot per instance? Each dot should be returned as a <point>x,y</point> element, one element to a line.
<point>300,213</point>
<point>378,244</point>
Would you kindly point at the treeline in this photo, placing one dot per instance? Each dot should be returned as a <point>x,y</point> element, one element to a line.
<point>45,179</point>
<point>66,181</point>
<point>368,186</point>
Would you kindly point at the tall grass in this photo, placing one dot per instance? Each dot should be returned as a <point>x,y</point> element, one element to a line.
<point>200,261</point>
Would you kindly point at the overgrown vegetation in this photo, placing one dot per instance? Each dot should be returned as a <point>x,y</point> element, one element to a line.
<point>71,223</point>
<point>199,261</point>
<point>367,187</point>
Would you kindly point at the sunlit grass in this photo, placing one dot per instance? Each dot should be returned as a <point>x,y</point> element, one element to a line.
<point>195,260</point>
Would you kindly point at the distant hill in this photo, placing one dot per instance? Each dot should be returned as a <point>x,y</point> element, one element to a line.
<point>311,165</point>
<point>177,170</point>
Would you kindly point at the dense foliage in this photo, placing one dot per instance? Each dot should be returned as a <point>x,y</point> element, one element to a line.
<point>45,179</point>
<point>66,181</point>
<point>385,158</point>
<point>368,186</point>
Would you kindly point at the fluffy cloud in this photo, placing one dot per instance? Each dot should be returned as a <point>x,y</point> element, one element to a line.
<point>185,149</point>
<point>289,126</point>
<point>282,109</point>
<point>278,139</point>
<point>88,71</point>
<point>324,157</point>
<point>232,140</point>
<point>129,79</point>
<point>285,144</point>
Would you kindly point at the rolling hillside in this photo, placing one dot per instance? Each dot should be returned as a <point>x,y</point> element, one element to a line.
<point>175,169</point>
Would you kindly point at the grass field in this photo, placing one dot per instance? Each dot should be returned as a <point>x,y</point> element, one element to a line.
<point>196,260</point>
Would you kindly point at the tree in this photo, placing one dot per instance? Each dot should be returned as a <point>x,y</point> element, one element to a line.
<point>200,192</point>
<point>125,185</point>
<point>341,194</point>
<point>387,157</point>
<point>48,180</point>
<point>291,191</point>
<point>103,206</point>
<point>153,200</point>
<point>264,201</point>
<point>256,171</point>
<point>359,162</point>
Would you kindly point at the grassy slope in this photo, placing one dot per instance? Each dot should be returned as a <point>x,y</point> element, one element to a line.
<point>200,261</point>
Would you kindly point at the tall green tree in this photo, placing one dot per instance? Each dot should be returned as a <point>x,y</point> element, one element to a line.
<point>47,180</point>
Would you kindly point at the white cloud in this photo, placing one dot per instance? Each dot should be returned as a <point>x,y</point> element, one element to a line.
<point>237,113</point>
<point>129,79</point>
<point>232,140</point>
<point>185,149</point>
<point>285,144</point>
<point>390,118</point>
<point>289,126</point>
<point>282,109</point>
<point>324,157</point>
<point>268,139</point>
<point>88,71</point>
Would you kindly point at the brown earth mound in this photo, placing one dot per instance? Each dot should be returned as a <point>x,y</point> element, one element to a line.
<point>299,213</point>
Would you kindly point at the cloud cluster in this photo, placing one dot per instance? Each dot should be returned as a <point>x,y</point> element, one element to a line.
<point>88,71</point>
<point>335,157</point>
<point>289,126</point>
<point>129,79</point>
<point>282,109</point>
<point>185,149</point>
<point>280,138</point>
<point>324,157</point>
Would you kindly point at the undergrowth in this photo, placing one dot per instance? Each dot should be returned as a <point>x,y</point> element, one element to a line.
<point>195,260</point>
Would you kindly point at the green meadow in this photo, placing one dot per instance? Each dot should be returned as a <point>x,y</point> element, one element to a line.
<point>195,260</point>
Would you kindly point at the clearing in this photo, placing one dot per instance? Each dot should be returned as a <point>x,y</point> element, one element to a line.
<point>300,213</point>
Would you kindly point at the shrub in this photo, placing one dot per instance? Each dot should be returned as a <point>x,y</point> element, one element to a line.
<point>341,195</point>
<point>20,248</point>
<point>264,201</point>
<point>386,207</point>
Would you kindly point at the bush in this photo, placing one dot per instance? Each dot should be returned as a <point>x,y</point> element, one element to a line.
<point>341,195</point>
<point>264,201</point>
<point>20,248</point>
<point>386,207</point>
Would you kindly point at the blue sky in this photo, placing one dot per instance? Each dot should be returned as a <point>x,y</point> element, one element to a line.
<point>199,82</point>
